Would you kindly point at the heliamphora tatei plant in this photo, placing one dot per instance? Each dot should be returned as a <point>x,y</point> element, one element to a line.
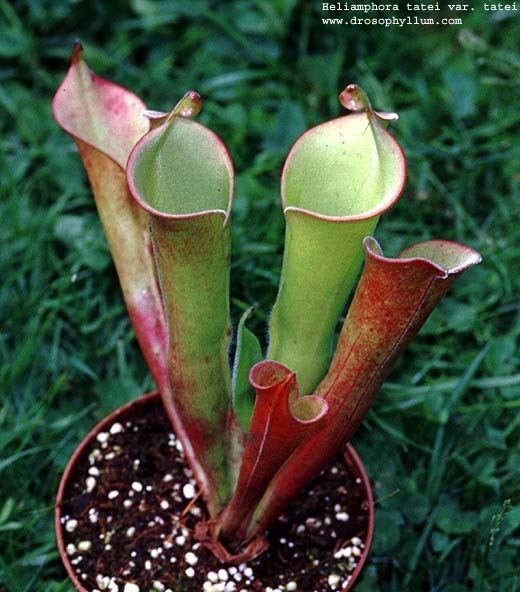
<point>255,434</point>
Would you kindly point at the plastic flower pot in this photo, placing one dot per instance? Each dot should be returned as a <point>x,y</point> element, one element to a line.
<point>73,481</point>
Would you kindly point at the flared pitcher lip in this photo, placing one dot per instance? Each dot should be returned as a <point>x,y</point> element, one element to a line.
<point>76,57</point>
<point>473,257</point>
<point>134,192</point>
<point>378,210</point>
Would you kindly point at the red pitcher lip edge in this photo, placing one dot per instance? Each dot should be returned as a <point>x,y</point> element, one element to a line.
<point>351,458</point>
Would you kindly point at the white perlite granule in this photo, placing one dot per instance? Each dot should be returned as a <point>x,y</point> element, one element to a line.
<point>191,558</point>
<point>116,428</point>
<point>70,525</point>
<point>136,486</point>
<point>188,491</point>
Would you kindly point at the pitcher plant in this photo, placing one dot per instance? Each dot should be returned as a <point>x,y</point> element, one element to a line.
<point>257,429</point>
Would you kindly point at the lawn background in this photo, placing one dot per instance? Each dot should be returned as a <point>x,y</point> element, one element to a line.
<point>441,443</point>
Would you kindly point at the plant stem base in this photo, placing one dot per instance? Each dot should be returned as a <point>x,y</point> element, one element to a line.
<point>128,505</point>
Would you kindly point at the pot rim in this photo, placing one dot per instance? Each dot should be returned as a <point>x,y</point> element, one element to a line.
<point>352,460</point>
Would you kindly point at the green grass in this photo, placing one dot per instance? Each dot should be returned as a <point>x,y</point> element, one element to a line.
<point>441,443</point>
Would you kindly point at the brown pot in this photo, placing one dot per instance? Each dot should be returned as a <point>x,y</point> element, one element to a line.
<point>352,460</point>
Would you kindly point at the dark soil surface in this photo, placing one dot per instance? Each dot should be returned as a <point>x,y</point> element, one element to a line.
<point>132,506</point>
